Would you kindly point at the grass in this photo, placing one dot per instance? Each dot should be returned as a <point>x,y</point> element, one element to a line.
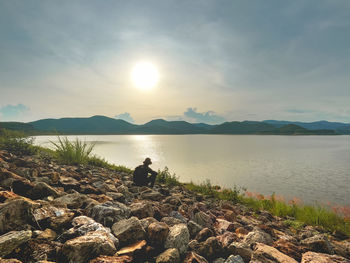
<point>17,142</point>
<point>165,177</point>
<point>72,152</point>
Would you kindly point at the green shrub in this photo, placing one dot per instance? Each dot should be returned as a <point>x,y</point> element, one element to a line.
<point>164,177</point>
<point>72,152</point>
<point>101,162</point>
<point>17,142</point>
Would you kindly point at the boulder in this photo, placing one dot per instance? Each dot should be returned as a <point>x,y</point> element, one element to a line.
<point>258,236</point>
<point>89,246</point>
<point>142,210</point>
<point>83,225</point>
<point>219,260</point>
<point>267,254</point>
<point>171,221</point>
<point>112,259</point>
<point>203,219</point>
<point>318,243</point>
<point>342,248</point>
<point>157,233</point>
<point>56,218</point>
<point>222,226</point>
<point>69,183</point>
<point>47,234</point>
<point>13,260</point>
<point>170,255</point>
<point>129,230</point>
<point>109,213</point>
<point>178,237</point>
<point>145,222</point>
<point>193,228</point>
<point>193,257</point>
<point>16,214</point>
<point>151,195</point>
<point>137,249</point>
<point>41,190</point>
<point>73,201</point>
<point>241,249</point>
<point>226,239</point>
<point>290,249</point>
<point>210,249</point>
<point>234,259</point>
<point>312,257</point>
<point>204,234</point>
<point>11,240</point>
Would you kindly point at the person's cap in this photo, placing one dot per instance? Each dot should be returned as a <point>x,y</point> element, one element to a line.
<point>147,161</point>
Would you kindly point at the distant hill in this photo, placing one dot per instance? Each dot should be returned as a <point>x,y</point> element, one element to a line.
<point>339,127</point>
<point>106,125</point>
<point>92,125</point>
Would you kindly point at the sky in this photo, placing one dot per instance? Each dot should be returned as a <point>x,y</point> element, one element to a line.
<point>218,60</point>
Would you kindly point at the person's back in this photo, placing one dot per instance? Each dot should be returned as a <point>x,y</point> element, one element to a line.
<point>140,175</point>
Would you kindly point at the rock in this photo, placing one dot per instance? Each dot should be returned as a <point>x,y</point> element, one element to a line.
<point>267,254</point>
<point>11,240</point>
<point>152,195</point>
<point>318,243</point>
<point>204,234</point>
<point>312,257</point>
<point>48,234</point>
<point>170,255</point>
<point>56,218</point>
<point>113,259</point>
<point>222,226</point>
<point>203,219</point>
<point>145,222</point>
<point>177,215</point>
<point>210,249</point>
<point>342,248</point>
<point>11,260</point>
<point>16,214</point>
<point>142,210</point>
<point>41,190</point>
<point>193,257</point>
<point>119,197</point>
<point>157,233</point>
<point>289,249</point>
<point>230,215</point>
<point>69,183</point>
<point>226,239</point>
<point>84,248</point>
<point>171,221</point>
<point>131,249</point>
<point>109,213</point>
<point>234,259</point>
<point>193,228</point>
<point>241,249</point>
<point>129,230</point>
<point>219,260</point>
<point>258,236</point>
<point>83,225</point>
<point>73,201</point>
<point>241,232</point>
<point>178,237</point>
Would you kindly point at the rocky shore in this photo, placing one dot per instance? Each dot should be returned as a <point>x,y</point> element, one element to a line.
<point>59,213</point>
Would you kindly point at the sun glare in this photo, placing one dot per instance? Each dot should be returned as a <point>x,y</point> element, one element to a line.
<point>145,75</point>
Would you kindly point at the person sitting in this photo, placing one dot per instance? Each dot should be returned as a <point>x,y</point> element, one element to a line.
<point>140,175</point>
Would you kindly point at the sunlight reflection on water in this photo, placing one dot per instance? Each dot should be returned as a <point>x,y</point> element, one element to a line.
<point>314,168</point>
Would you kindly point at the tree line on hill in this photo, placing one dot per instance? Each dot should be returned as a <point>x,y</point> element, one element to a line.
<point>106,125</point>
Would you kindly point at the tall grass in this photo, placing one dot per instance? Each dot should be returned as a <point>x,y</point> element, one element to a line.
<point>165,177</point>
<point>72,152</point>
<point>17,142</point>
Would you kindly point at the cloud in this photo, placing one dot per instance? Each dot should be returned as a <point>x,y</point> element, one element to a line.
<point>299,111</point>
<point>207,117</point>
<point>125,116</point>
<point>13,112</point>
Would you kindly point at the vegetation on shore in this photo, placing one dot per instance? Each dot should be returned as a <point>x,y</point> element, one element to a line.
<point>295,213</point>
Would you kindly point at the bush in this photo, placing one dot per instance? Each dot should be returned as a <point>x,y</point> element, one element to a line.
<point>164,177</point>
<point>75,152</point>
<point>101,162</point>
<point>17,142</point>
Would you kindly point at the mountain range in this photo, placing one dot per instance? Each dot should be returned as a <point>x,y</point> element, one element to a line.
<point>106,125</point>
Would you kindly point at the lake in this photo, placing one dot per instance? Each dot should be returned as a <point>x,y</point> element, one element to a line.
<point>312,168</point>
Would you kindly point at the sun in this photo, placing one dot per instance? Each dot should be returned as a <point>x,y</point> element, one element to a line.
<point>145,75</point>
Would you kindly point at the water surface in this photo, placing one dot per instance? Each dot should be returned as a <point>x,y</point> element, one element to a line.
<point>313,168</point>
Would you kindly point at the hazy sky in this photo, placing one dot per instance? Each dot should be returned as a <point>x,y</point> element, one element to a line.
<point>218,60</point>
